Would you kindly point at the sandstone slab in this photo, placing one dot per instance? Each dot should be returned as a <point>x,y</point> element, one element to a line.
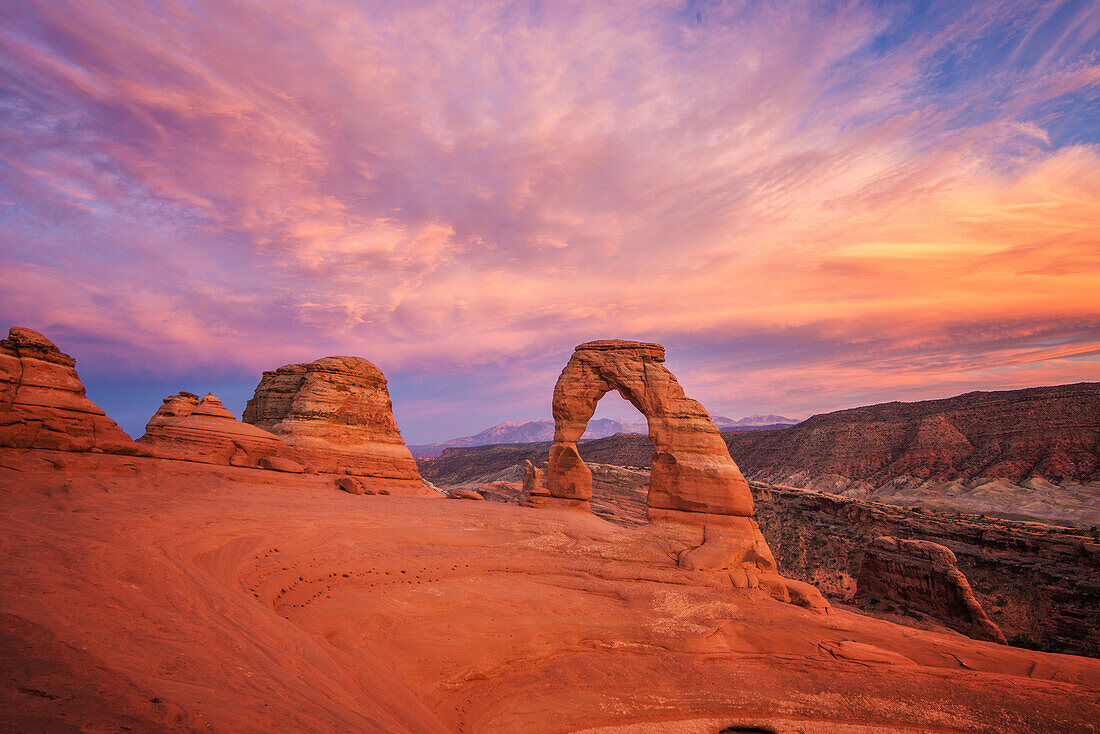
<point>197,597</point>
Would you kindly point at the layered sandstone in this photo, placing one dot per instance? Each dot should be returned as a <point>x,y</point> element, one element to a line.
<point>43,403</point>
<point>1015,453</point>
<point>1039,584</point>
<point>336,413</point>
<point>924,575</point>
<point>692,468</point>
<point>189,428</point>
<point>693,481</point>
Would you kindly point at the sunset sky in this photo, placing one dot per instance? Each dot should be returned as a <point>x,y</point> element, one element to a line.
<point>811,205</point>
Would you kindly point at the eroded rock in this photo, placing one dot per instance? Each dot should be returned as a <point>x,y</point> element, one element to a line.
<point>336,413</point>
<point>464,494</point>
<point>692,468</point>
<point>190,428</point>
<point>693,481</point>
<point>43,403</point>
<point>923,575</point>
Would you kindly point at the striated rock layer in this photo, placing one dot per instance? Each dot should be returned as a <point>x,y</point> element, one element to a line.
<point>186,427</point>
<point>1014,453</point>
<point>924,575</point>
<point>42,400</point>
<point>1039,584</point>
<point>336,413</point>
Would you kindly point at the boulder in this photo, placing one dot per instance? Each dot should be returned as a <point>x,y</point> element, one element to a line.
<point>43,403</point>
<point>361,485</point>
<point>188,428</point>
<point>923,575</point>
<point>281,463</point>
<point>464,494</point>
<point>351,485</point>
<point>336,413</point>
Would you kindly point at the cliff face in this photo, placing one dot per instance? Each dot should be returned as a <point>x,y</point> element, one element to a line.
<point>336,413</point>
<point>42,400</point>
<point>924,575</point>
<point>1039,584</point>
<point>1047,432</point>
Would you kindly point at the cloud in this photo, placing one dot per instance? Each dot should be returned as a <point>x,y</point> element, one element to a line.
<point>462,189</point>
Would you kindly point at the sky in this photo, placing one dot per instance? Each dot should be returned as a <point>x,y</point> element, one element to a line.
<point>812,205</point>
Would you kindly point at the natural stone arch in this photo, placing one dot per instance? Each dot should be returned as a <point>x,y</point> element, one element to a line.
<point>695,488</point>
<point>692,469</point>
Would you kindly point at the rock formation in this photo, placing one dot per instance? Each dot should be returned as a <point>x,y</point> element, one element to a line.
<point>693,479</point>
<point>336,413</point>
<point>188,428</point>
<point>692,468</point>
<point>356,485</point>
<point>42,400</point>
<point>307,609</point>
<point>534,480</point>
<point>464,494</point>
<point>924,575</point>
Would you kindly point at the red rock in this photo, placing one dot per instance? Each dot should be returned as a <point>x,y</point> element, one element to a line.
<point>192,429</point>
<point>43,403</point>
<point>351,485</point>
<point>464,494</point>
<point>693,480</point>
<point>196,597</point>
<point>924,575</point>
<point>336,413</point>
<point>908,448</point>
<point>281,463</point>
<point>692,468</point>
<point>534,480</point>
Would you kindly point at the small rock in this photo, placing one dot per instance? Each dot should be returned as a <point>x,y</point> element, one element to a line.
<point>281,463</point>
<point>351,485</point>
<point>464,494</point>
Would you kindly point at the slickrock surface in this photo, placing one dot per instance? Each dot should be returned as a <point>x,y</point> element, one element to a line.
<point>1032,453</point>
<point>1040,584</point>
<point>42,400</point>
<point>692,469</point>
<point>188,428</point>
<point>175,596</point>
<point>337,413</point>
<point>924,575</point>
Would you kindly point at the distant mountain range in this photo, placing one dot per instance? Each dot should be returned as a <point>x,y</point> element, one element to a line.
<point>543,430</point>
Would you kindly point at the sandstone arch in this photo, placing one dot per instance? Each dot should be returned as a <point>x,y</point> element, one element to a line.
<point>696,491</point>
<point>692,469</point>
